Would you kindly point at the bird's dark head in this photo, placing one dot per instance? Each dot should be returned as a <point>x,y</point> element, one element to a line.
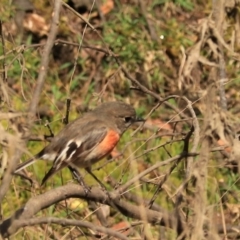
<point>122,114</point>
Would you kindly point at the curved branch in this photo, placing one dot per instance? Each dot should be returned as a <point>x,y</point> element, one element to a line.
<point>36,204</point>
<point>69,222</point>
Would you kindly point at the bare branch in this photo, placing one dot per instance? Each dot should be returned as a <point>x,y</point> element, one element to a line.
<point>45,59</point>
<point>36,204</point>
<point>69,222</point>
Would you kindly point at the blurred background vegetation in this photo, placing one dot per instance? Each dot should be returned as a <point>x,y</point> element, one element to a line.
<point>154,40</point>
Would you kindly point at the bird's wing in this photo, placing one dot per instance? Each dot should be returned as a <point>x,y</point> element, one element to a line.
<point>80,146</point>
<point>76,149</point>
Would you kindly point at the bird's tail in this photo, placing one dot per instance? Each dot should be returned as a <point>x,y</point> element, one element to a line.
<point>30,161</point>
<point>23,165</point>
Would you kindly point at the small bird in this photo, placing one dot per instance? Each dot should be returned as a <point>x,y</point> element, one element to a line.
<point>87,139</point>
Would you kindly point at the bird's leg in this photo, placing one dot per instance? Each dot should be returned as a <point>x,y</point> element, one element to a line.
<point>77,176</point>
<point>24,177</point>
<point>50,131</point>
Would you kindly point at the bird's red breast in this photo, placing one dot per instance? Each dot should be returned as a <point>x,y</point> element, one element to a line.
<point>109,142</point>
<point>102,149</point>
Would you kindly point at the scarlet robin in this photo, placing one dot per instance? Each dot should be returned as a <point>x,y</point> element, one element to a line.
<point>87,139</point>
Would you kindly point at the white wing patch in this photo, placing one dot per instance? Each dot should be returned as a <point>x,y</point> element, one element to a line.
<point>70,156</point>
<point>49,156</point>
<point>67,153</point>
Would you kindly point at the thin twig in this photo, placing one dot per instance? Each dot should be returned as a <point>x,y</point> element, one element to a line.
<point>70,222</point>
<point>150,169</point>
<point>45,59</point>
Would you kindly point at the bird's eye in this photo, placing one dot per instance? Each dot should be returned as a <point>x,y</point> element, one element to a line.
<point>127,119</point>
